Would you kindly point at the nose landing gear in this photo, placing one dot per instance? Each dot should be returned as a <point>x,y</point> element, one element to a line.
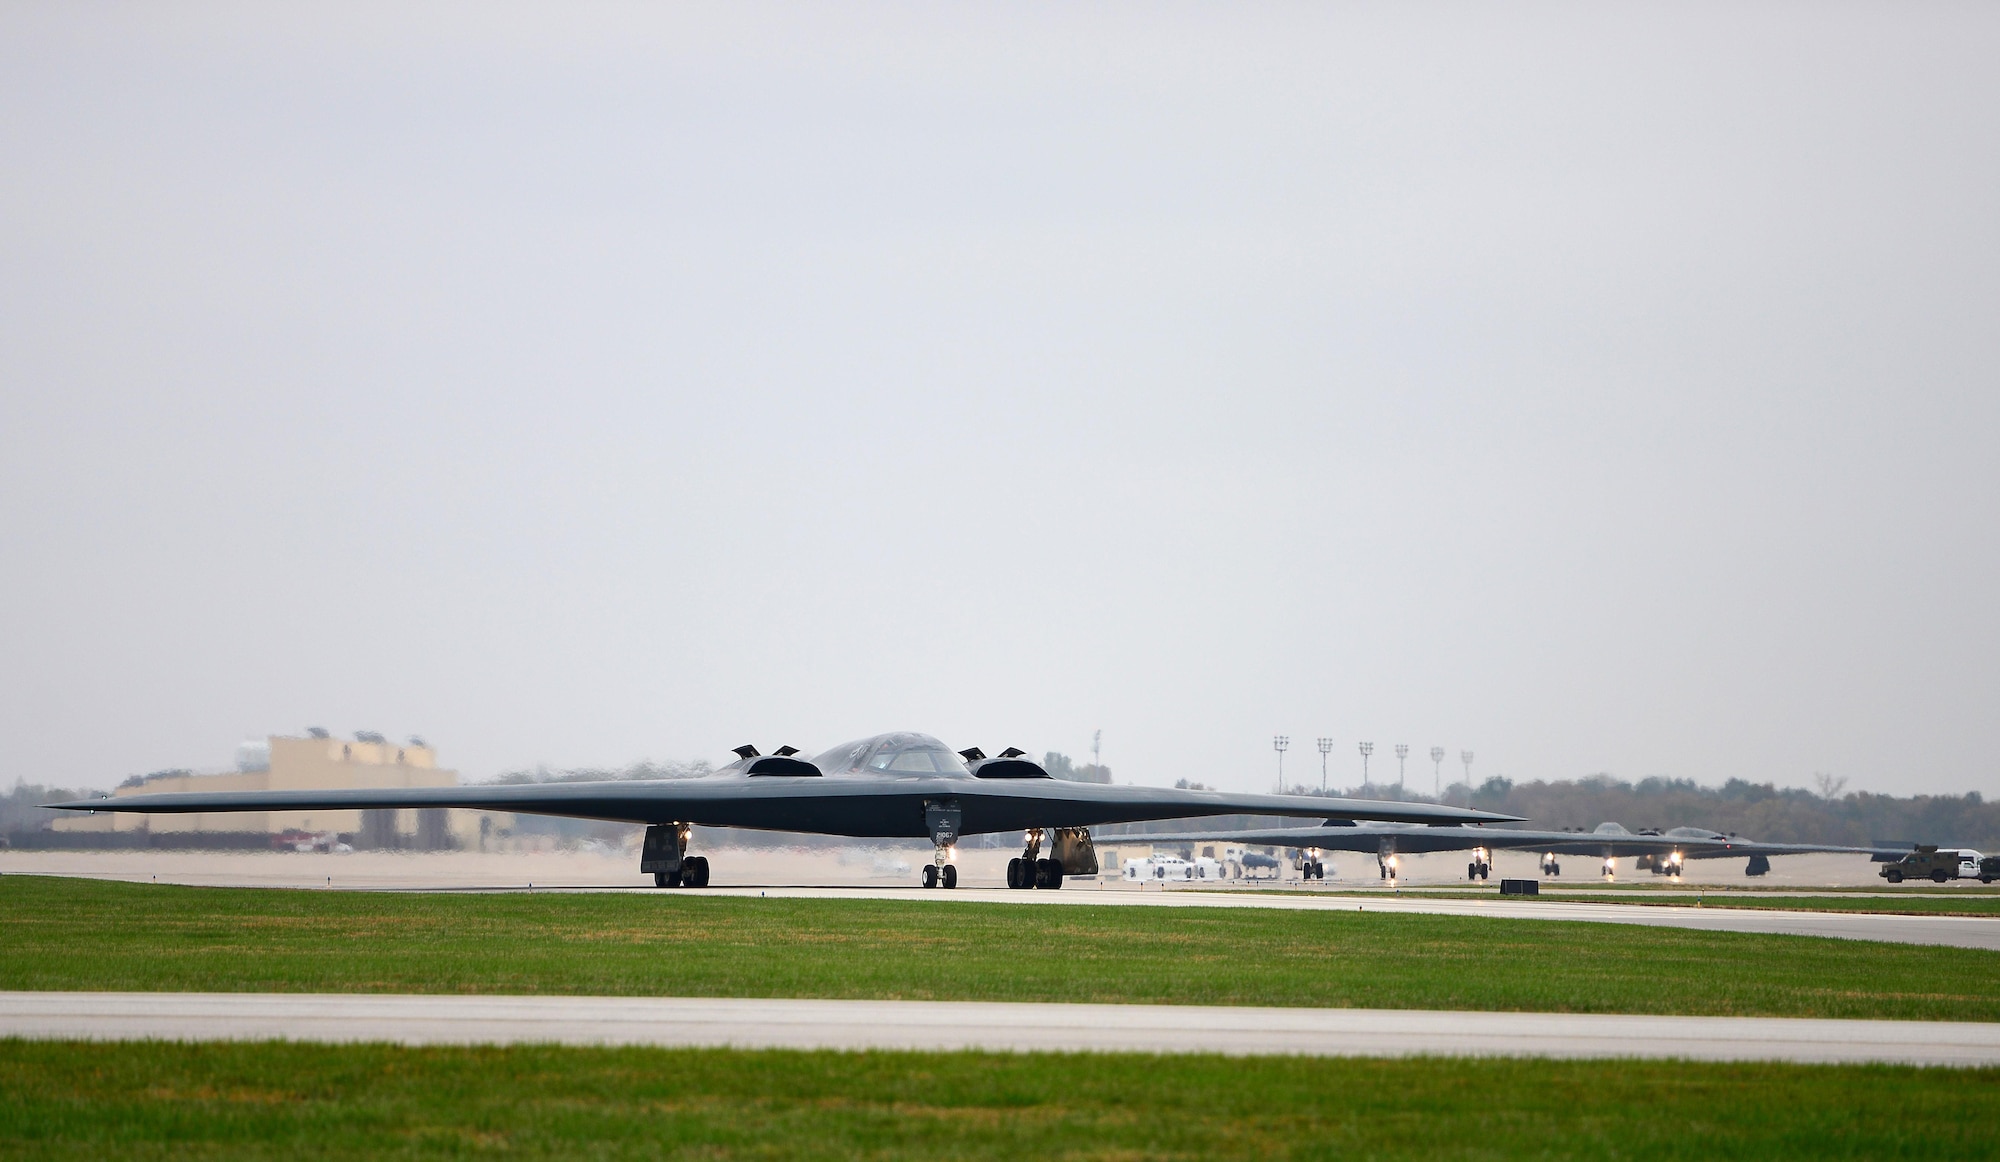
<point>941,818</point>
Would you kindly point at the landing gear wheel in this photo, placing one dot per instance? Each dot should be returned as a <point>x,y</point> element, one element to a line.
<point>950,875</point>
<point>1472,871</point>
<point>1485,871</point>
<point>1014,872</point>
<point>930,875</point>
<point>694,872</point>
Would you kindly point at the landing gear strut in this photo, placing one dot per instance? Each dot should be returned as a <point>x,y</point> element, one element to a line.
<point>665,855</point>
<point>1070,853</point>
<point>941,818</point>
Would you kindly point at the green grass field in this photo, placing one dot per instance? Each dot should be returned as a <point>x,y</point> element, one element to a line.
<point>87,1101</point>
<point>78,934</point>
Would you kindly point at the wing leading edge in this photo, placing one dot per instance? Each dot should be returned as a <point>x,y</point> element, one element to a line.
<point>858,806</point>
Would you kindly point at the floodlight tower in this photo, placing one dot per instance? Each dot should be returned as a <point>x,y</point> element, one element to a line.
<point>1325,748</point>
<point>1437,773</point>
<point>1402,752</point>
<point>1465,756</point>
<point>1278,743</point>
<point>1367,748</point>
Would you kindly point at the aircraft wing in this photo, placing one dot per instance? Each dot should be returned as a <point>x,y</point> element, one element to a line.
<point>1409,840</point>
<point>1377,840</point>
<point>1744,847</point>
<point>850,805</point>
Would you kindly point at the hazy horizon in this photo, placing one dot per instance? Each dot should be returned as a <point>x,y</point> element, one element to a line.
<point>1597,390</point>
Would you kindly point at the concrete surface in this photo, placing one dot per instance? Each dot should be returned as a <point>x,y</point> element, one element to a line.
<point>855,1025</point>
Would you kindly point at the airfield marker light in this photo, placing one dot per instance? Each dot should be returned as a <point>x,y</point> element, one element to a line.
<point>1325,748</point>
<point>1281,743</point>
<point>1367,748</point>
<point>1402,752</point>
<point>1437,775</point>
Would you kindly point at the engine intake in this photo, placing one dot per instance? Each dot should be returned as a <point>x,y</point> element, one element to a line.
<point>1011,763</point>
<point>780,765</point>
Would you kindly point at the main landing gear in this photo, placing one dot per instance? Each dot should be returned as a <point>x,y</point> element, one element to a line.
<point>1549,865</point>
<point>693,874</point>
<point>1313,869</point>
<point>1481,865</point>
<point>1071,853</point>
<point>1030,870</point>
<point>665,855</point>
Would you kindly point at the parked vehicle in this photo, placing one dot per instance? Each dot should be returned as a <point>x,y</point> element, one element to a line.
<point>1173,869</point>
<point>1989,869</point>
<point>1925,863</point>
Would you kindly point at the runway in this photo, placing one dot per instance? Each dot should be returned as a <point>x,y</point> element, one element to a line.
<point>1981,932</point>
<point>939,1025</point>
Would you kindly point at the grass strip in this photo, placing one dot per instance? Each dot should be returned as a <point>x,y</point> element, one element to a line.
<point>278,1100</point>
<point>79,934</point>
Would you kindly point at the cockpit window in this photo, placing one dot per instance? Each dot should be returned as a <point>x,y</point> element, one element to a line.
<point>900,754</point>
<point>917,760</point>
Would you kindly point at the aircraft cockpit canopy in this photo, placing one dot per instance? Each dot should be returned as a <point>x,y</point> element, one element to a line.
<point>917,755</point>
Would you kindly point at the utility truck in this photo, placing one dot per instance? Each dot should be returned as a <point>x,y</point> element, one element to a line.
<point>1925,863</point>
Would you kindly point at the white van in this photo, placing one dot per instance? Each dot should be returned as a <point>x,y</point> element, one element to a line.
<point>1173,869</point>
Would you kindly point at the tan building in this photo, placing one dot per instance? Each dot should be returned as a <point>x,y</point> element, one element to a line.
<point>307,764</point>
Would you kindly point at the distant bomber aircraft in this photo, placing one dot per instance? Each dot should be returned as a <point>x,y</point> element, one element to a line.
<point>888,786</point>
<point>1664,851</point>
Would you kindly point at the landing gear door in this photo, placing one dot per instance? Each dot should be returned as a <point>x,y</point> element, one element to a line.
<point>665,844</point>
<point>1075,850</point>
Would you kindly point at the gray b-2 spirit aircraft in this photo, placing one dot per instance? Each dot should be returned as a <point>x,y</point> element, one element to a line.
<point>889,786</point>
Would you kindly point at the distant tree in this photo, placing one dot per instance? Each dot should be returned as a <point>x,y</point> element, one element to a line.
<point>1740,807</point>
<point>1062,767</point>
<point>644,769</point>
<point>21,809</point>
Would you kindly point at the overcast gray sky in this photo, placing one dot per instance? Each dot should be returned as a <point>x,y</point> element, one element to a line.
<point>1594,387</point>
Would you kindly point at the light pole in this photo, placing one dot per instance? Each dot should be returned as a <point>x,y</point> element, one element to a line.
<point>1402,752</point>
<point>1278,743</point>
<point>1367,748</point>
<point>1465,756</point>
<point>1437,773</point>
<point>1325,748</point>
